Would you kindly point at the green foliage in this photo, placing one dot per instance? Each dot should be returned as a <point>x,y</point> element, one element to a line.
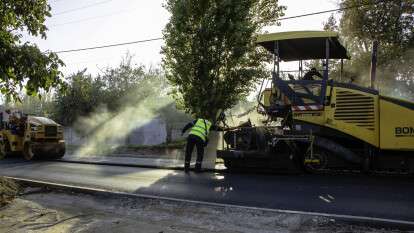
<point>210,56</point>
<point>24,65</point>
<point>33,105</point>
<point>126,85</point>
<point>331,24</point>
<point>80,98</point>
<point>392,24</point>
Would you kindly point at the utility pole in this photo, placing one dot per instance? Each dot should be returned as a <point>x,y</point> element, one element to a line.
<point>374,63</point>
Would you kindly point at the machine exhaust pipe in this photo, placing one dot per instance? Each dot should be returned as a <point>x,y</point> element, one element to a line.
<point>374,63</point>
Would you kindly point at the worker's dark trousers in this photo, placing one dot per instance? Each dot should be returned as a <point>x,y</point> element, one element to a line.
<point>199,143</point>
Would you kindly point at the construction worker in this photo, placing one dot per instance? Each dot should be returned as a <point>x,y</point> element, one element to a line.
<point>310,74</point>
<point>198,136</point>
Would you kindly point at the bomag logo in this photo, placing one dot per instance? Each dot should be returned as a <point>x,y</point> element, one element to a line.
<point>404,131</point>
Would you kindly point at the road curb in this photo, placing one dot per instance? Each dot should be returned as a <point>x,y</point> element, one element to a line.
<point>131,165</point>
<point>356,220</point>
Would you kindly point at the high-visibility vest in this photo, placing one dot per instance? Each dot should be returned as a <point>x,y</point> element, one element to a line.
<point>201,128</point>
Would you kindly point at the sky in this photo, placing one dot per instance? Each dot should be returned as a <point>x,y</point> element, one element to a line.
<point>87,23</point>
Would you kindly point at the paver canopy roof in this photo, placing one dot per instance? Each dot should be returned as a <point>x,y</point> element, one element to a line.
<point>303,45</point>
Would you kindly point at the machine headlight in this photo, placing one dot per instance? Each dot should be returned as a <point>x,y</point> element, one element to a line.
<point>34,128</point>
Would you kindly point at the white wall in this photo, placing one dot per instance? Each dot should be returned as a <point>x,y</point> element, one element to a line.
<point>153,133</point>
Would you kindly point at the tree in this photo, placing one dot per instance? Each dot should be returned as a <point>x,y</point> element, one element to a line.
<point>331,24</point>
<point>24,64</point>
<point>392,24</point>
<point>117,88</point>
<point>210,55</point>
<point>82,95</point>
<point>33,105</point>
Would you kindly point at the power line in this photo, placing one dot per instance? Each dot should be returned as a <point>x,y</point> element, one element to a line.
<point>56,1</point>
<point>160,38</point>
<point>84,7</point>
<point>328,11</point>
<point>310,14</point>
<point>125,11</point>
<point>110,45</point>
<point>92,18</point>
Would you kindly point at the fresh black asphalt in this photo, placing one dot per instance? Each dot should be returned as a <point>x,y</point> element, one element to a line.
<point>360,195</point>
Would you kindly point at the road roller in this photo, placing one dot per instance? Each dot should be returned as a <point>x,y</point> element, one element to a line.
<point>33,137</point>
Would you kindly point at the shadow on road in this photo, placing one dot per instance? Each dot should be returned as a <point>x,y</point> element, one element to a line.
<point>350,194</point>
<point>360,195</point>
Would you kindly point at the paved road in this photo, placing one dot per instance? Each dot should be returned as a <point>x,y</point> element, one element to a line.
<point>380,197</point>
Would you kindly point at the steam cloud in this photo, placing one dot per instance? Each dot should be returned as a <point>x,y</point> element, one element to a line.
<point>106,130</point>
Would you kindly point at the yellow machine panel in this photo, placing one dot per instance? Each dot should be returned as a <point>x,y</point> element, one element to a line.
<point>397,124</point>
<point>266,97</point>
<point>351,111</point>
<point>16,144</point>
<point>355,113</point>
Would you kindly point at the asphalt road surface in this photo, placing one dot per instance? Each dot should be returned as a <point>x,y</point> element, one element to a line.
<point>370,196</point>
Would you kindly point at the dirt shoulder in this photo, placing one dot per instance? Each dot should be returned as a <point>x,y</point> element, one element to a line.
<point>40,211</point>
<point>8,190</point>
